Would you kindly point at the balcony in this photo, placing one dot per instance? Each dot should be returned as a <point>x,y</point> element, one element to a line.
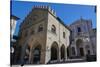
<point>82,34</point>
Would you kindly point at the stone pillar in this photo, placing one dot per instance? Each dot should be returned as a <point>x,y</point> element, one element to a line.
<point>75,50</point>
<point>65,53</point>
<point>85,50</point>
<point>59,54</point>
<point>42,56</point>
<point>47,55</point>
<point>30,56</point>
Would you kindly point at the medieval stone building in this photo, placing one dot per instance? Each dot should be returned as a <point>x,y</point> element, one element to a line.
<point>83,39</point>
<point>43,37</point>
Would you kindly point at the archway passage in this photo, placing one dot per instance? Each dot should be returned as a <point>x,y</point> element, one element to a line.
<point>80,48</point>
<point>54,51</point>
<point>62,52</point>
<point>81,52</point>
<point>37,54</point>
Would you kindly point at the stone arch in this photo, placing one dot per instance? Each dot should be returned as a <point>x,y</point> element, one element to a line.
<point>79,42</point>
<point>80,48</point>
<point>36,53</point>
<point>54,51</point>
<point>62,49</point>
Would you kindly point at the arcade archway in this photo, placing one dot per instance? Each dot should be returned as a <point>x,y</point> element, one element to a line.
<point>62,52</point>
<point>54,51</point>
<point>37,54</point>
<point>80,48</point>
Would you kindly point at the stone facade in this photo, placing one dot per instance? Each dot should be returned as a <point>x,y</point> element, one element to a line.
<point>83,39</point>
<point>43,37</point>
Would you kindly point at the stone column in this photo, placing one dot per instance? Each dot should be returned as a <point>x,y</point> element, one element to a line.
<point>42,56</point>
<point>65,54</point>
<point>47,55</point>
<point>30,56</point>
<point>85,50</point>
<point>59,54</point>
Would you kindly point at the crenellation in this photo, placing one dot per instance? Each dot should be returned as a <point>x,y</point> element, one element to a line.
<point>45,7</point>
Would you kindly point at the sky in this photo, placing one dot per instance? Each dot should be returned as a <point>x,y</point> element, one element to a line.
<point>67,12</point>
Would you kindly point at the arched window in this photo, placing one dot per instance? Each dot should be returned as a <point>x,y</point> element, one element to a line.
<point>78,29</point>
<point>40,28</point>
<point>53,29</point>
<point>63,34</point>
